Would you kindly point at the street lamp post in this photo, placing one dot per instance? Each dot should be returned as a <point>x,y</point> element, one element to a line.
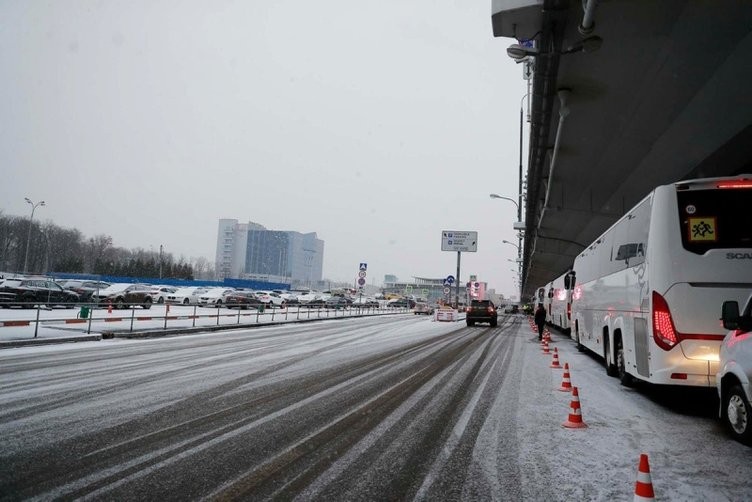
<point>28,236</point>
<point>511,244</point>
<point>497,196</point>
<point>519,191</point>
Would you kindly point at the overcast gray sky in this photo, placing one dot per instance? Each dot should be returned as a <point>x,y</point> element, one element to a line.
<point>374,124</point>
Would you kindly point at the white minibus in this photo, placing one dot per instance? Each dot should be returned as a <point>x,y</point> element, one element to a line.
<point>648,290</point>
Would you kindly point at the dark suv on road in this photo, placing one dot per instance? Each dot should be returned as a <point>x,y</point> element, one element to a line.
<point>481,311</point>
<point>27,293</point>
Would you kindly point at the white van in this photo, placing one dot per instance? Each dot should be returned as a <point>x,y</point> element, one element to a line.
<point>648,289</point>
<point>734,379</point>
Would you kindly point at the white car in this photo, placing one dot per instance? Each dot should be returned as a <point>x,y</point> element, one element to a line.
<point>213,296</point>
<point>289,297</point>
<point>307,296</point>
<point>735,371</point>
<point>365,302</point>
<point>270,299</point>
<point>159,293</point>
<point>186,296</point>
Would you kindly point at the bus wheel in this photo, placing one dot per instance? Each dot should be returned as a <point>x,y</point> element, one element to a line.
<point>610,366</point>
<point>624,377</point>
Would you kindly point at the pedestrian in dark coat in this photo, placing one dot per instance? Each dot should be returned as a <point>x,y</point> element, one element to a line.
<point>540,320</point>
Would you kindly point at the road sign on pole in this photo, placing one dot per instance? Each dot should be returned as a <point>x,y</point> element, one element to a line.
<point>456,240</point>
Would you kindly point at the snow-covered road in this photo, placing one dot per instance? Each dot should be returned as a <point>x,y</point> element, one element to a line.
<point>353,409</point>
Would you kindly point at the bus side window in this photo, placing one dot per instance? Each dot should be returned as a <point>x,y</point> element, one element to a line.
<point>620,246</point>
<point>626,251</point>
<point>637,234</point>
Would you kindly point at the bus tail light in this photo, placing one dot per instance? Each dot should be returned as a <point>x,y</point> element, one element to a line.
<point>664,333</point>
<point>569,311</point>
<point>742,183</point>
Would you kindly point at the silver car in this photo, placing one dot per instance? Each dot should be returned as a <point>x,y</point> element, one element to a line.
<point>735,371</point>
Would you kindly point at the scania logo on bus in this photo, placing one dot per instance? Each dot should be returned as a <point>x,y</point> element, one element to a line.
<point>739,256</point>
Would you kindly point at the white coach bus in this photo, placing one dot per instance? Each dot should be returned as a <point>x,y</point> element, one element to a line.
<point>649,290</point>
<point>560,294</point>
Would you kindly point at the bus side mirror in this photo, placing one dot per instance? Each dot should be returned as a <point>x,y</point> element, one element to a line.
<point>730,315</point>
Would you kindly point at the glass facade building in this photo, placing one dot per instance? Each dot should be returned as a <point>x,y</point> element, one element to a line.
<point>250,251</point>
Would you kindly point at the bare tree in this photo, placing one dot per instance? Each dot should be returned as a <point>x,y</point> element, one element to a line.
<point>95,258</point>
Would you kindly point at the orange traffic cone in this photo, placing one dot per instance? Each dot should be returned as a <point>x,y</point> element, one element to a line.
<point>644,486</point>
<point>566,383</point>
<point>109,307</point>
<point>545,347</point>
<point>547,336</point>
<point>555,362</point>
<point>575,415</point>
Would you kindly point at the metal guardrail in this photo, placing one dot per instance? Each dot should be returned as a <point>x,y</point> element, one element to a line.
<point>87,314</point>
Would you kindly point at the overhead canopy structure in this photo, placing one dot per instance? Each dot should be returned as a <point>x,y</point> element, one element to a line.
<point>626,95</point>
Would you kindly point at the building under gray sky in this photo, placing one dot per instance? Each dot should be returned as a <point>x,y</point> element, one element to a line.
<point>251,251</point>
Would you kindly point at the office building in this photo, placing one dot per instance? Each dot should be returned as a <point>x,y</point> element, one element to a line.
<point>251,251</point>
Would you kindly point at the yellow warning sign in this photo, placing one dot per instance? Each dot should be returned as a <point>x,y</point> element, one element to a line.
<point>702,229</point>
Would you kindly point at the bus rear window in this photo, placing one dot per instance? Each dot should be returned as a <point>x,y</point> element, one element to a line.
<point>715,219</point>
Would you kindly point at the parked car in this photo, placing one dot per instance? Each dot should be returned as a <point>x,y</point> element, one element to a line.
<point>289,297</point>
<point>185,296</point>
<point>122,296</point>
<point>159,293</point>
<point>270,298</point>
<point>337,302</point>
<point>241,300</point>
<point>214,297</point>
<point>423,308</point>
<point>27,293</point>
<point>366,302</point>
<point>401,303</point>
<point>735,371</point>
<point>306,297</point>
<point>85,289</point>
<point>316,302</point>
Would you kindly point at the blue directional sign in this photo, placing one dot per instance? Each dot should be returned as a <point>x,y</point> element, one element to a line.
<point>363,266</point>
<point>449,279</point>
